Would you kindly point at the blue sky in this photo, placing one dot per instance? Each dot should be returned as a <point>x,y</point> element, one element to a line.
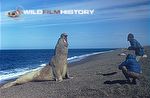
<point>107,28</point>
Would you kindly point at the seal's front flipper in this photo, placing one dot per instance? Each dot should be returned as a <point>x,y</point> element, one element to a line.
<point>68,77</point>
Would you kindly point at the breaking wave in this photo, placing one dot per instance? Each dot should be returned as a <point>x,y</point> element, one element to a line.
<point>6,75</point>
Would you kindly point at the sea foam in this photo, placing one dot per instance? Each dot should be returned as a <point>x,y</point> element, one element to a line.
<point>12,74</point>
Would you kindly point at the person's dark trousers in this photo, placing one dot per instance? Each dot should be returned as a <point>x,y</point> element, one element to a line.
<point>129,75</point>
<point>124,71</point>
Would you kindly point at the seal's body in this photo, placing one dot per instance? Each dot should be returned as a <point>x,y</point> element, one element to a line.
<point>37,75</point>
<point>56,69</point>
<point>59,60</point>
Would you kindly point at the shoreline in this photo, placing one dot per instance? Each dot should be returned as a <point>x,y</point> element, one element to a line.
<point>72,60</point>
<point>96,76</point>
<point>70,64</point>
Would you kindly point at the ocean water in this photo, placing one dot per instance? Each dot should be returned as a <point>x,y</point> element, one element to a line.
<point>14,63</point>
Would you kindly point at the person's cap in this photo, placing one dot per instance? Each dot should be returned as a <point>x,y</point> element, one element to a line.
<point>131,36</point>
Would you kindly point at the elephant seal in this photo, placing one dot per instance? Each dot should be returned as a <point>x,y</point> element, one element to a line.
<point>59,60</point>
<point>56,69</point>
<point>36,75</point>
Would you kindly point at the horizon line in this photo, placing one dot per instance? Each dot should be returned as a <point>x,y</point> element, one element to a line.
<point>53,48</point>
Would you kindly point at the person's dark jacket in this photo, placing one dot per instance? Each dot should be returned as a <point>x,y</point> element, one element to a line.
<point>131,64</point>
<point>135,45</point>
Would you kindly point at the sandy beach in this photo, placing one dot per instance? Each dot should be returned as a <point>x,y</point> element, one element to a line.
<point>96,76</point>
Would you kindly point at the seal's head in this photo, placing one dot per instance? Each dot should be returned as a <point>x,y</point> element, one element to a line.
<point>64,37</point>
<point>130,37</point>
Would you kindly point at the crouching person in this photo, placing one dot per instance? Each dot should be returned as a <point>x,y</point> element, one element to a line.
<point>131,69</point>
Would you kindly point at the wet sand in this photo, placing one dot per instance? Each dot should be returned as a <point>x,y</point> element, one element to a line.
<point>96,76</point>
